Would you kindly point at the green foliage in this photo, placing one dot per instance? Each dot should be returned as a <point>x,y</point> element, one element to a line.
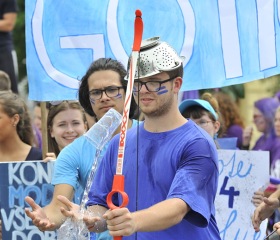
<point>19,39</point>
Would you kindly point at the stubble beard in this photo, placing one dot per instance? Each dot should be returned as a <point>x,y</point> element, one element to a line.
<point>160,110</point>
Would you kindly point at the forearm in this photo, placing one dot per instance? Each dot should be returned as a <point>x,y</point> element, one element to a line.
<point>53,209</point>
<point>96,210</point>
<point>7,24</point>
<point>54,215</point>
<point>160,216</point>
<point>276,195</point>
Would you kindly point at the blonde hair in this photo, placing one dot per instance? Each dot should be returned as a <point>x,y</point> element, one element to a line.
<point>5,81</point>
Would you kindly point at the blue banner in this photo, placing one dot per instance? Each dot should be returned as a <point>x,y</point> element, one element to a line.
<point>224,42</point>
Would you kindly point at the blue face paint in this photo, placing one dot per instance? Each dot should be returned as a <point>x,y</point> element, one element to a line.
<point>118,96</point>
<point>92,101</point>
<point>162,90</point>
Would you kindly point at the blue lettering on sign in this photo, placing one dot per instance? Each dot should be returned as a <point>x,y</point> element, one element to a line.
<point>41,195</point>
<point>230,224</point>
<point>236,169</point>
<point>231,193</point>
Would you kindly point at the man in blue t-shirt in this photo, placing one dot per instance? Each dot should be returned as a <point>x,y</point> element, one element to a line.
<point>170,164</point>
<point>103,87</point>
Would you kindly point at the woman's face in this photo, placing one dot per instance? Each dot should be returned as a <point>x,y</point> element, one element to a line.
<point>259,120</point>
<point>67,126</point>
<point>277,123</point>
<point>210,126</point>
<point>7,125</point>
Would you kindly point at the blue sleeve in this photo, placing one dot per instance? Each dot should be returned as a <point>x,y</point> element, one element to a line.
<point>66,165</point>
<point>196,182</point>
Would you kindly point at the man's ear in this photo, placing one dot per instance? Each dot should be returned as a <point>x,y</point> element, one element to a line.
<point>178,81</point>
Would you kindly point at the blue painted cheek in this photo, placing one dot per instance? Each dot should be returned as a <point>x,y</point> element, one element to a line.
<point>162,90</point>
<point>92,101</point>
<point>118,96</point>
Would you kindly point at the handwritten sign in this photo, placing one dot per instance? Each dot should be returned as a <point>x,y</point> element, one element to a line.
<point>17,181</point>
<point>241,173</point>
<point>223,42</point>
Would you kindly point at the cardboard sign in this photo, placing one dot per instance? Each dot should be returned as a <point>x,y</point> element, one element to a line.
<point>241,173</point>
<point>17,181</point>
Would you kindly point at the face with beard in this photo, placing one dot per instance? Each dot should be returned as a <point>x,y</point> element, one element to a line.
<point>155,95</point>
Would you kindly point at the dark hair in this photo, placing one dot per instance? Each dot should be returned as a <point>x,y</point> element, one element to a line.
<point>101,65</point>
<point>197,111</point>
<point>53,111</point>
<point>178,72</point>
<point>12,104</point>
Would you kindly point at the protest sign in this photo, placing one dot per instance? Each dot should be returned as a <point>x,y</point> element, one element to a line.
<point>20,179</point>
<point>241,173</point>
<point>223,42</point>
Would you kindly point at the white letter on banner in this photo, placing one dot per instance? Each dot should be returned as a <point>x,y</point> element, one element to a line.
<point>22,175</point>
<point>189,19</point>
<point>44,174</point>
<point>230,38</point>
<point>266,34</point>
<point>278,3</point>
<point>12,173</point>
<point>94,42</point>
<point>39,44</point>
<point>113,33</point>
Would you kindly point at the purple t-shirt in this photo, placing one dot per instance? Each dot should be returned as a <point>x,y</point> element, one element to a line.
<point>181,163</point>
<point>235,131</point>
<point>271,144</point>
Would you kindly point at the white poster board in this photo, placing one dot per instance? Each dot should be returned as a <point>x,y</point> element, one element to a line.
<point>241,173</point>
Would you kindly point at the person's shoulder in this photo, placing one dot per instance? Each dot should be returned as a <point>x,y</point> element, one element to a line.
<point>79,144</point>
<point>34,154</point>
<point>195,133</point>
<point>235,128</point>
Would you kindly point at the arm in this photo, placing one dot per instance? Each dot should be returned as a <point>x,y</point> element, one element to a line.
<point>265,209</point>
<point>121,222</point>
<point>246,137</point>
<point>50,218</point>
<point>8,22</point>
<point>93,219</point>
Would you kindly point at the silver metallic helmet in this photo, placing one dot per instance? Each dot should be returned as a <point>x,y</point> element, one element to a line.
<point>155,57</point>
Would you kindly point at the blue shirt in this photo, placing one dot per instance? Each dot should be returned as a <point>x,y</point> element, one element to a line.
<point>182,163</point>
<point>74,164</point>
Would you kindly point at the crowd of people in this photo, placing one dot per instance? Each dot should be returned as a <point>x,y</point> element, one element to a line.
<point>164,204</point>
